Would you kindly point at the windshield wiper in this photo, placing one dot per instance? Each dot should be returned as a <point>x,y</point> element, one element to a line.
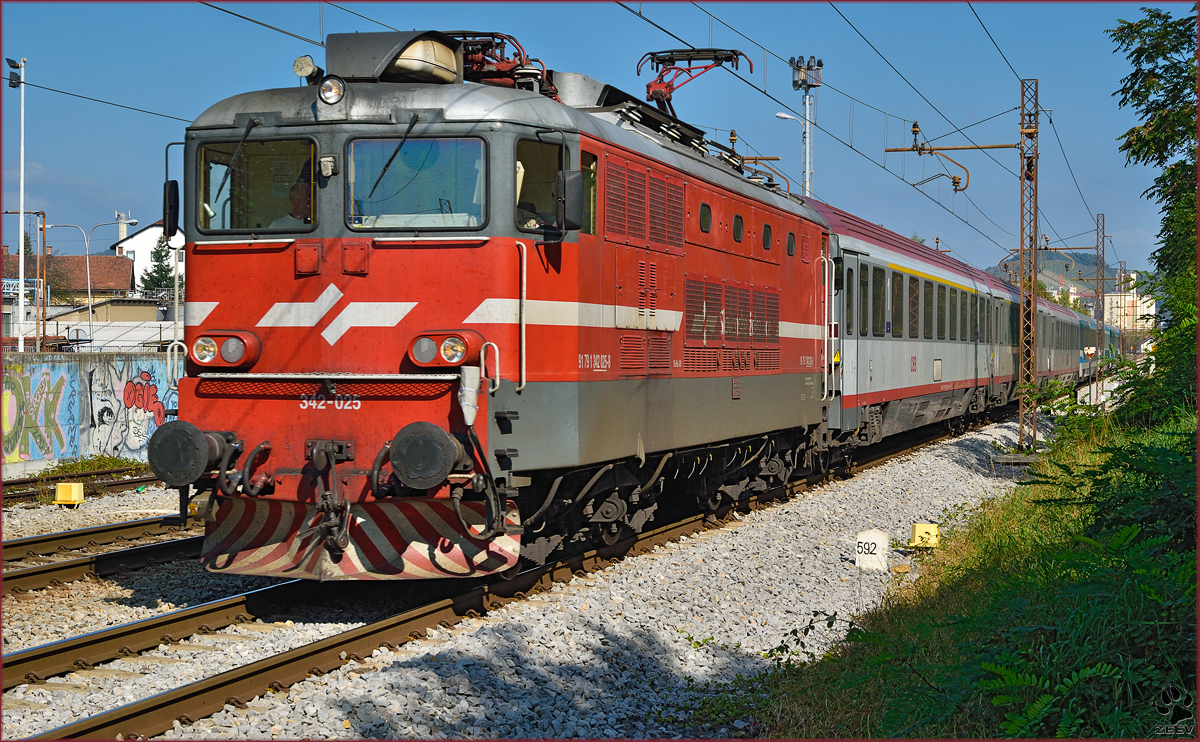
<point>411,123</point>
<point>249,125</point>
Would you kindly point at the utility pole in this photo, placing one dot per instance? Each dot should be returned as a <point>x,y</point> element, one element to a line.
<point>806,76</point>
<point>19,82</point>
<point>1028,268</point>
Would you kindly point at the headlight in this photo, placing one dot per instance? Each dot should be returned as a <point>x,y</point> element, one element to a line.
<point>333,88</point>
<point>453,350</point>
<point>233,350</point>
<point>204,349</point>
<point>424,350</point>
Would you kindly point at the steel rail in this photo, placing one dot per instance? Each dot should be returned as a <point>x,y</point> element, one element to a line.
<point>101,565</point>
<point>50,543</point>
<point>36,664</point>
<point>63,477</point>
<point>112,485</point>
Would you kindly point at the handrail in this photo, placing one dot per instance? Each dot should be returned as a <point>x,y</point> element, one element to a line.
<point>521,312</point>
<point>493,383</point>
<point>176,352</point>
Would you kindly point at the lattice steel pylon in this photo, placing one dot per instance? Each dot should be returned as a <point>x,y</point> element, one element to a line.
<point>1028,268</point>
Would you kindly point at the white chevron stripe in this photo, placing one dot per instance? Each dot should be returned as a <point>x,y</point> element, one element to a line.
<point>799,330</point>
<point>195,312</point>
<point>366,314</point>
<point>301,314</point>
<point>570,314</point>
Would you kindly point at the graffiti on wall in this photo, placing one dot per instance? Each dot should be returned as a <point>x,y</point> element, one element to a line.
<point>126,404</point>
<point>64,405</point>
<point>38,413</point>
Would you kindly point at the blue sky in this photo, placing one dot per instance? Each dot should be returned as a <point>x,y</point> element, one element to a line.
<point>84,160</point>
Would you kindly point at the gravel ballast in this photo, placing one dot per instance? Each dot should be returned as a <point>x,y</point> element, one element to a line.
<point>614,653</point>
<point>25,519</point>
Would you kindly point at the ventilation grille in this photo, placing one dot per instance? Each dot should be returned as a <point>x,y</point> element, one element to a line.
<point>701,360</point>
<point>658,211</point>
<point>635,206</point>
<point>675,216</point>
<point>660,353</point>
<point>614,198</point>
<point>766,360</point>
<point>633,353</point>
<point>702,312</point>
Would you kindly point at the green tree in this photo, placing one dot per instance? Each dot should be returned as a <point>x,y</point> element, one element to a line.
<point>161,275</point>
<point>28,244</point>
<point>917,238</point>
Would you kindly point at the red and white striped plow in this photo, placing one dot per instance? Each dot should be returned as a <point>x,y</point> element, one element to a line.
<point>417,539</point>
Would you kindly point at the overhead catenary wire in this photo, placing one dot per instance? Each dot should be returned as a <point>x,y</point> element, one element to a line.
<point>830,134</point>
<point>265,25</point>
<point>360,15</point>
<point>989,35</point>
<point>106,102</point>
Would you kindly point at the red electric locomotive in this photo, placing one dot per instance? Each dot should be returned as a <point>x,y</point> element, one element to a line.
<point>448,309</point>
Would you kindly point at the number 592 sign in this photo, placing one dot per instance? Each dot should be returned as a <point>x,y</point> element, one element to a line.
<point>870,550</point>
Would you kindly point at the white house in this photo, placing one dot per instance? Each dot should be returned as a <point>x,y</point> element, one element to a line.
<point>139,246</point>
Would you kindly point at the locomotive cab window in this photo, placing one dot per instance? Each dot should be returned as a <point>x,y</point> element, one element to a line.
<point>415,183</point>
<point>590,167</point>
<point>260,186</point>
<point>705,218</point>
<point>536,174</point>
<point>738,228</point>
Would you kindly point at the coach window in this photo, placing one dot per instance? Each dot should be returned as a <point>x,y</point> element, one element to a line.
<point>897,305</point>
<point>954,314</point>
<point>863,296</point>
<point>738,228</point>
<point>791,247</point>
<point>416,183</point>
<point>878,292</point>
<point>590,167</point>
<point>766,236</point>
<point>849,318</point>
<point>988,325</point>
<point>705,218</point>
<point>914,307</point>
<point>536,173</point>
<point>941,312</point>
<point>269,187</point>
<point>927,325</point>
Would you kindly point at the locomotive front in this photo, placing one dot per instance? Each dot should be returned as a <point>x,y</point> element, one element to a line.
<point>339,235</point>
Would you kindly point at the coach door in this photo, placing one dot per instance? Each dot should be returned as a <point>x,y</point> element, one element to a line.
<point>852,331</point>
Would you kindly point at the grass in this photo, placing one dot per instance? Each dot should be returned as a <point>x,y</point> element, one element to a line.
<point>1065,609</point>
<point>82,465</point>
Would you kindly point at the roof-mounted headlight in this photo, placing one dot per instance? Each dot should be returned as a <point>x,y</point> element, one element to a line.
<point>332,90</point>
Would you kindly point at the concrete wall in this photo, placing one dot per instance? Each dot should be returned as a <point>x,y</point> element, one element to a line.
<point>63,405</point>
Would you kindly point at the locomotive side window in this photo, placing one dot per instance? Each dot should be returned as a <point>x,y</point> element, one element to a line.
<point>705,218</point>
<point>878,292</point>
<point>897,305</point>
<point>738,228</point>
<point>415,183</point>
<point>590,167</point>
<point>849,318</point>
<point>766,236</point>
<point>927,324</point>
<point>536,171</point>
<point>863,296</point>
<point>941,312</point>
<point>914,307</point>
<point>791,248</point>
<point>954,314</point>
<point>269,186</point>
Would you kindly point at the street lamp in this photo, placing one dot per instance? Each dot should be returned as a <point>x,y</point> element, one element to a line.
<point>805,76</point>
<point>87,259</point>
<point>18,81</point>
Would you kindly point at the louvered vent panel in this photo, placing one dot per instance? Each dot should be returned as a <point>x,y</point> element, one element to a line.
<point>772,318</point>
<point>660,353</point>
<point>693,310</point>
<point>651,289</point>
<point>674,215</point>
<point>699,360</point>
<point>635,206</point>
<point>766,360</point>
<point>759,317</point>
<point>731,314</point>
<point>643,293</point>
<point>727,360</point>
<point>713,327</point>
<point>614,199</point>
<point>744,314</point>
<point>633,353</point>
<point>658,212</point>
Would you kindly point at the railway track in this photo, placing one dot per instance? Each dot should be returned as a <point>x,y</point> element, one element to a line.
<point>28,566</point>
<point>31,489</point>
<point>156,714</point>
